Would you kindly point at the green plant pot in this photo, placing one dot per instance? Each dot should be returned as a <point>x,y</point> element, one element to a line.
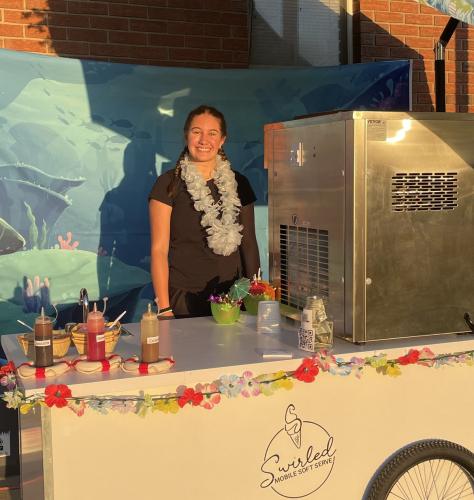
<point>225,314</point>
<point>251,303</point>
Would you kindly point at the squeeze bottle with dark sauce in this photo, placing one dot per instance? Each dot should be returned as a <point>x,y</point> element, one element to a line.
<point>43,341</point>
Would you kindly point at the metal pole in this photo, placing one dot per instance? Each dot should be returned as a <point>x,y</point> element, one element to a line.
<point>440,84</point>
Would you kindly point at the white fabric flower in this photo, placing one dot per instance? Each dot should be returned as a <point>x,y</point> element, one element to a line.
<point>13,399</point>
<point>224,233</point>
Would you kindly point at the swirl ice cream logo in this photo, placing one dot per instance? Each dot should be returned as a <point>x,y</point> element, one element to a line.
<point>300,457</point>
<point>293,426</point>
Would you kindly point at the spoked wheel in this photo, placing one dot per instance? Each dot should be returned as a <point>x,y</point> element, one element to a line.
<point>427,470</point>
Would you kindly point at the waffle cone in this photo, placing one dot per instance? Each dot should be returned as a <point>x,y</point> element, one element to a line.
<point>296,438</point>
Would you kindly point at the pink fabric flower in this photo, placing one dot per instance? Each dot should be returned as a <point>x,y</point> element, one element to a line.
<point>78,407</point>
<point>250,387</point>
<point>211,395</point>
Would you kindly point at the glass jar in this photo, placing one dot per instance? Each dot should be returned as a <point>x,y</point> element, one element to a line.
<point>316,331</point>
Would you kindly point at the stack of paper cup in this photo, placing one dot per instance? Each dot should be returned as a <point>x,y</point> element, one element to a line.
<point>268,316</point>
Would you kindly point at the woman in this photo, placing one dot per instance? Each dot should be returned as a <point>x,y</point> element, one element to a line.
<point>202,222</point>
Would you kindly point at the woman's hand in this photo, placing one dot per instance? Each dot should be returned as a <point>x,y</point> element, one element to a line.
<point>166,313</point>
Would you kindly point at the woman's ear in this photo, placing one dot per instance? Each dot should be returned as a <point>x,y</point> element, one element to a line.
<point>222,141</point>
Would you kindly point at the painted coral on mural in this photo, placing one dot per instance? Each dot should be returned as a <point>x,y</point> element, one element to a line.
<point>57,164</point>
<point>33,201</point>
<point>36,271</point>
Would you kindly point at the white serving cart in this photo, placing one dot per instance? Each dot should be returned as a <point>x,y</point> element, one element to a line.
<point>339,437</point>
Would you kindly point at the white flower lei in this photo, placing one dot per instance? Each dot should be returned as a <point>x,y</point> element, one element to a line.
<point>223,232</point>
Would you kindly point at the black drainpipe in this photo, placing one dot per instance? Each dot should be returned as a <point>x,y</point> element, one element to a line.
<point>440,89</point>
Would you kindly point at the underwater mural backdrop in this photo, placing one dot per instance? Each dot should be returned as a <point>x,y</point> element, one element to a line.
<point>82,142</point>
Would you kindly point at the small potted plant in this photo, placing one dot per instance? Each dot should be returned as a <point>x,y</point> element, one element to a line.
<point>259,290</point>
<point>225,307</point>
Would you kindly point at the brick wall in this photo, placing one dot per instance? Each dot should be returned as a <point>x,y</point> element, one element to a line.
<point>215,34</point>
<point>405,29</point>
<point>193,33</point>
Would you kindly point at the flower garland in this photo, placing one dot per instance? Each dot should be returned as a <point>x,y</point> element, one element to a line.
<point>210,394</point>
<point>219,219</point>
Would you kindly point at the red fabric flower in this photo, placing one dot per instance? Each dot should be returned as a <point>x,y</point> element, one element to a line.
<point>307,371</point>
<point>56,395</point>
<point>8,368</point>
<point>410,358</point>
<point>190,396</point>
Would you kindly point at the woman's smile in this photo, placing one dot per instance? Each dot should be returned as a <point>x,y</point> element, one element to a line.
<point>204,138</point>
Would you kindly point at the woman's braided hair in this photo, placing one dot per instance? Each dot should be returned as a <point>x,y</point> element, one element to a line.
<point>200,110</point>
<point>222,154</point>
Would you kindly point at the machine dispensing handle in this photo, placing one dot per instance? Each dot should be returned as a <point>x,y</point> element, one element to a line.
<point>469,323</point>
<point>84,302</point>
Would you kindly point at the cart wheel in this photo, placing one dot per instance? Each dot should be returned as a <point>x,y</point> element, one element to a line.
<point>426,470</point>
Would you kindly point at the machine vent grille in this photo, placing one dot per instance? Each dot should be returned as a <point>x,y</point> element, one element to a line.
<point>304,264</point>
<point>413,191</point>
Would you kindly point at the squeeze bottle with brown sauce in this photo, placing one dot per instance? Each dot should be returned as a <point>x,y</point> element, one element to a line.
<point>43,341</point>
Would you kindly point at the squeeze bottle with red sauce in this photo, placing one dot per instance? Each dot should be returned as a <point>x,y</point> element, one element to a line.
<point>95,335</point>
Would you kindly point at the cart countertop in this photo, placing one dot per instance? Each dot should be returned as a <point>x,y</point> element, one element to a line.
<point>203,349</point>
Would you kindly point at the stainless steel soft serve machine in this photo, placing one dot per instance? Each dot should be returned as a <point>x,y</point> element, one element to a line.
<point>374,212</point>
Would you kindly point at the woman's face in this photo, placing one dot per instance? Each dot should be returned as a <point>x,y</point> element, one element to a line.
<point>204,138</point>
